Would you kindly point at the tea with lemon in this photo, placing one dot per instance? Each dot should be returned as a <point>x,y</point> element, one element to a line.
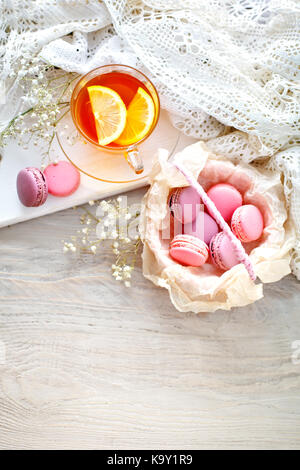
<point>115,110</point>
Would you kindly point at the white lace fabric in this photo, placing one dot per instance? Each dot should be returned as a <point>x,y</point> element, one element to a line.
<point>217,64</point>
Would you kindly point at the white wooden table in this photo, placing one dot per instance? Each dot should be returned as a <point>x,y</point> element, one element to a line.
<point>89,363</point>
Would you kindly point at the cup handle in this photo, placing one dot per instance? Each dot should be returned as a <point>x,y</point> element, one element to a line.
<point>133,157</point>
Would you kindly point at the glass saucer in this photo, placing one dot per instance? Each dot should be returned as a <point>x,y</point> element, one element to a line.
<point>108,166</point>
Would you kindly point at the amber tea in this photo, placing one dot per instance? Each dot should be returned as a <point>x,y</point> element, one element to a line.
<point>140,108</point>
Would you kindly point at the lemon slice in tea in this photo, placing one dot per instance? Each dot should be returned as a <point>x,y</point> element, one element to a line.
<point>140,117</point>
<point>110,113</point>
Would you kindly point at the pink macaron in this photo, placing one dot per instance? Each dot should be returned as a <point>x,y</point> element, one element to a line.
<point>63,178</point>
<point>32,187</point>
<point>226,199</point>
<point>247,223</point>
<point>222,252</point>
<point>189,250</point>
<point>203,227</point>
<point>184,204</point>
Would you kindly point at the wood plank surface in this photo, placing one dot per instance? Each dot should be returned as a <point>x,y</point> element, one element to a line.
<point>87,363</point>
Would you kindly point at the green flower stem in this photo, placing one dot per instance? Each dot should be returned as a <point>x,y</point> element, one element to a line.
<point>89,213</point>
<point>17,116</point>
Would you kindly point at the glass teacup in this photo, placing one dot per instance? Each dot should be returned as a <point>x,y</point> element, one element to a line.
<point>126,81</point>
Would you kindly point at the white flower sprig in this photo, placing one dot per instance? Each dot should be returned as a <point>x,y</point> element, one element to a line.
<point>45,96</point>
<point>111,226</point>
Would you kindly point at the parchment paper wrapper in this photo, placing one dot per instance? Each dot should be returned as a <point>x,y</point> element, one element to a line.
<point>207,288</point>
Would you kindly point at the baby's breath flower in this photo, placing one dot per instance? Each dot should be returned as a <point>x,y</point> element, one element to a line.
<point>43,100</point>
<point>123,248</point>
<point>103,205</point>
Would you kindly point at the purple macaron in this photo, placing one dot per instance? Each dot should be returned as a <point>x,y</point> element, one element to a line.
<point>222,252</point>
<point>32,187</point>
<point>185,204</point>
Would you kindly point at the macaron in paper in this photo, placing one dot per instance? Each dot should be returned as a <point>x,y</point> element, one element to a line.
<point>226,199</point>
<point>247,223</point>
<point>222,252</point>
<point>189,250</point>
<point>203,227</point>
<point>184,204</point>
<point>63,178</point>
<point>32,187</point>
